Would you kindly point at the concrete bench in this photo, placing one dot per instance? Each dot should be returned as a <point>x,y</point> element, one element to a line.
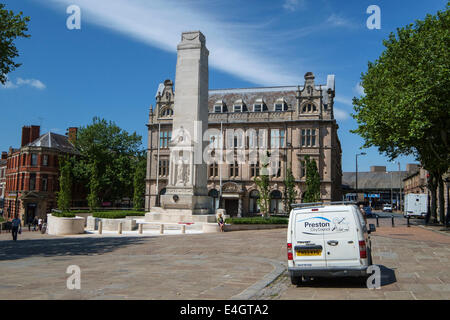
<point>162,226</point>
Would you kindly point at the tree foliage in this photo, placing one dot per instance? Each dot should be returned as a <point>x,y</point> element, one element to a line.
<point>12,26</point>
<point>139,181</point>
<point>64,196</point>
<point>263,184</point>
<point>407,89</point>
<point>289,190</point>
<point>312,192</point>
<point>107,161</point>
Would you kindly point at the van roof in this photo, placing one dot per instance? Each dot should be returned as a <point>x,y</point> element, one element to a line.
<point>321,204</point>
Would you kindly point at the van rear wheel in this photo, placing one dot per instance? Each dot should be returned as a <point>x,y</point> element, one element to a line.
<point>296,280</point>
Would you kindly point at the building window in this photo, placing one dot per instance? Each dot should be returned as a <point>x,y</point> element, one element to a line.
<point>213,170</point>
<point>280,105</point>
<point>163,168</point>
<point>44,182</point>
<point>238,108</point>
<point>308,138</point>
<point>309,107</point>
<point>164,139</point>
<point>253,203</point>
<point>167,112</point>
<point>45,160</point>
<point>34,159</point>
<point>234,169</point>
<point>218,109</point>
<point>32,185</point>
<point>22,181</point>
<point>254,169</point>
<point>257,108</point>
<point>277,138</point>
<point>276,202</point>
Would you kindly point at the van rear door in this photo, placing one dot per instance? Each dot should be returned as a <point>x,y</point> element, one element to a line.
<point>307,241</point>
<point>341,239</point>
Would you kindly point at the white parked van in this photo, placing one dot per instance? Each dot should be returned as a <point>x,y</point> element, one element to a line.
<point>328,240</point>
<point>416,205</point>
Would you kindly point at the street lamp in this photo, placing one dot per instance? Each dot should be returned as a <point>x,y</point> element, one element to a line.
<point>356,185</point>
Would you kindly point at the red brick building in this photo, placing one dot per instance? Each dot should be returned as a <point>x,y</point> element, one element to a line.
<point>32,173</point>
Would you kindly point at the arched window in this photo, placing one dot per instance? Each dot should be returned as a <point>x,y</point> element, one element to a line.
<point>276,205</point>
<point>309,107</point>
<point>168,112</point>
<point>253,206</point>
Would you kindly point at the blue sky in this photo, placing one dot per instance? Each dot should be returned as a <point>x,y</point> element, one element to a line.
<point>112,67</point>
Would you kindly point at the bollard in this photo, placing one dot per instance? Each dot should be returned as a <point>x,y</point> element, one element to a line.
<point>140,228</point>
<point>100,227</point>
<point>183,228</point>
<point>407,221</point>
<point>120,228</point>
<point>378,224</point>
<point>161,229</point>
<point>393,221</point>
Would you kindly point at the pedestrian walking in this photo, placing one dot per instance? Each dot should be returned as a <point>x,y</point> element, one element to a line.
<point>35,222</point>
<point>16,227</point>
<point>40,224</point>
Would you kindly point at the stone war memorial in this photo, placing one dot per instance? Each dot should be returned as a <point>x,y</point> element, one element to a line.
<point>186,198</point>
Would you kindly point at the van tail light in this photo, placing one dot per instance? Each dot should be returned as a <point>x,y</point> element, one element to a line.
<point>362,250</point>
<point>289,251</point>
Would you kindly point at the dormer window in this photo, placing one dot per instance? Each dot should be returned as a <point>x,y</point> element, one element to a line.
<point>220,107</point>
<point>239,106</point>
<point>259,106</point>
<point>280,105</point>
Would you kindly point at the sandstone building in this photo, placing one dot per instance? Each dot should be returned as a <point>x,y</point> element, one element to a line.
<point>298,121</point>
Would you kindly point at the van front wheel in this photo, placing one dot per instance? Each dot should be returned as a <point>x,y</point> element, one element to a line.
<point>296,281</point>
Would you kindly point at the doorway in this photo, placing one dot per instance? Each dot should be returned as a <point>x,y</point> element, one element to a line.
<point>231,207</point>
<point>31,212</point>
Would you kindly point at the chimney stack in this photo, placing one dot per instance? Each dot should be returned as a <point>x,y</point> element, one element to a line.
<point>72,134</point>
<point>29,134</point>
<point>4,155</point>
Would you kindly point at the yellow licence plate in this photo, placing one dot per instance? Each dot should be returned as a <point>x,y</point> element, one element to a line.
<point>309,253</point>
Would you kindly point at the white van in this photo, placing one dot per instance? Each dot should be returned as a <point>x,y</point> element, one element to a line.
<point>416,205</point>
<point>328,240</point>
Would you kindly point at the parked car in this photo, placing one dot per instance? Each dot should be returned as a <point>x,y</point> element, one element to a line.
<point>387,208</point>
<point>329,240</point>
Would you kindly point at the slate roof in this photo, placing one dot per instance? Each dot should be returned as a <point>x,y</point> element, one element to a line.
<point>374,180</point>
<point>54,141</point>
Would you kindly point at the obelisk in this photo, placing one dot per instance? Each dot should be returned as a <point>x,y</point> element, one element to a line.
<point>187,183</point>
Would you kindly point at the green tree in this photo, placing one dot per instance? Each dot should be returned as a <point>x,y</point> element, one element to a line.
<point>405,107</point>
<point>12,26</point>
<point>107,160</point>
<point>140,172</point>
<point>263,185</point>
<point>64,196</point>
<point>289,190</point>
<point>312,192</point>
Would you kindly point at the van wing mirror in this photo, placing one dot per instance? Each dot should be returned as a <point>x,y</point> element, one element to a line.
<point>372,228</point>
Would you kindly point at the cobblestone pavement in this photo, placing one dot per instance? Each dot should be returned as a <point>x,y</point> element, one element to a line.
<point>415,265</point>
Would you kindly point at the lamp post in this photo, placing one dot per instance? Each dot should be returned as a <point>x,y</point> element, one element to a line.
<point>356,185</point>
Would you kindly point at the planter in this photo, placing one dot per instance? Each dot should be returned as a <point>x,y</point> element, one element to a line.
<point>64,226</point>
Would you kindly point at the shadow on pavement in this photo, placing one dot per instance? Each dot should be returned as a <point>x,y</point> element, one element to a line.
<point>10,250</point>
<point>387,277</point>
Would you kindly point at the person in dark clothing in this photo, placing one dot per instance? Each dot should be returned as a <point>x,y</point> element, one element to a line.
<point>15,227</point>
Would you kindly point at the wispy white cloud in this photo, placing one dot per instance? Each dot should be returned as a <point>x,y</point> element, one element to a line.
<point>340,114</point>
<point>34,83</point>
<point>337,20</point>
<point>294,5</point>
<point>359,89</point>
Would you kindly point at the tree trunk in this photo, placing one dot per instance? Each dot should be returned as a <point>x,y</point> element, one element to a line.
<point>441,199</point>
<point>432,186</point>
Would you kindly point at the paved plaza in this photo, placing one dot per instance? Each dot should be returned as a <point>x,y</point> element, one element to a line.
<point>232,265</point>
